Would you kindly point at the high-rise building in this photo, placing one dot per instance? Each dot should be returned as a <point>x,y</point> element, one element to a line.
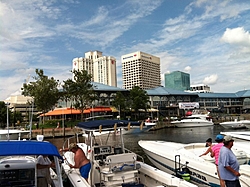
<point>177,80</point>
<point>102,68</point>
<point>140,69</point>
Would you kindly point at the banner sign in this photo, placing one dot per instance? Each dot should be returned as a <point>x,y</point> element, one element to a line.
<point>190,105</point>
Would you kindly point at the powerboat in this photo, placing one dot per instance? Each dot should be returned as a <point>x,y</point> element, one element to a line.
<point>13,134</point>
<point>246,123</point>
<point>18,163</point>
<point>235,124</point>
<point>150,123</point>
<point>242,140</point>
<point>194,120</point>
<point>177,157</point>
<point>111,163</point>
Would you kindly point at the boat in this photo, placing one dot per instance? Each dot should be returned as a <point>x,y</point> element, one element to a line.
<point>111,163</point>
<point>194,120</point>
<point>235,124</point>
<point>246,123</point>
<point>13,134</point>
<point>150,123</point>
<point>242,140</point>
<point>174,158</point>
<point>18,163</point>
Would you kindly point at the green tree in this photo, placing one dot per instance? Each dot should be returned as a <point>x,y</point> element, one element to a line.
<point>43,91</point>
<point>120,102</point>
<point>80,90</point>
<point>3,114</point>
<point>139,99</point>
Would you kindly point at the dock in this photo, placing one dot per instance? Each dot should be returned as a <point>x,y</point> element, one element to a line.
<point>56,132</point>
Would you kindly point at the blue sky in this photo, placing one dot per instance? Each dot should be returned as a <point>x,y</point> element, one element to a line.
<point>210,39</point>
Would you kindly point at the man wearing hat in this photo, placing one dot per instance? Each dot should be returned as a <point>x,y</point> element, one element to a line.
<point>80,159</point>
<point>228,164</point>
<point>215,153</point>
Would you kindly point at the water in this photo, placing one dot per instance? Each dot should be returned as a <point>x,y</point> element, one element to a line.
<point>180,135</point>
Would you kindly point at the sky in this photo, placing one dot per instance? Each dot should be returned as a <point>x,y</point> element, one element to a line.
<point>209,39</point>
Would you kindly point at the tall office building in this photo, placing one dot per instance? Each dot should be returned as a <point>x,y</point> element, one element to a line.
<point>102,68</point>
<point>177,80</point>
<point>140,69</point>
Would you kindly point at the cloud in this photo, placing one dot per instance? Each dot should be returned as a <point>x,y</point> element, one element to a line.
<point>237,36</point>
<point>211,80</point>
<point>187,69</point>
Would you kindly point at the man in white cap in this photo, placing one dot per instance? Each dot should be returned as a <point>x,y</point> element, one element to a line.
<point>228,164</point>
<point>80,159</point>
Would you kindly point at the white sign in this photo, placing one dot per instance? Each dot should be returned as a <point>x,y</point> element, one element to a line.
<point>189,105</point>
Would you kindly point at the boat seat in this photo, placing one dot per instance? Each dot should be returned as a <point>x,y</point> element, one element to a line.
<point>120,168</point>
<point>121,158</point>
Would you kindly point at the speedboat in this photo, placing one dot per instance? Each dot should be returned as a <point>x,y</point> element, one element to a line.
<point>235,124</point>
<point>194,120</point>
<point>111,163</point>
<point>246,123</point>
<point>150,123</point>
<point>242,140</point>
<point>18,163</point>
<point>177,157</point>
<point>13,134</point>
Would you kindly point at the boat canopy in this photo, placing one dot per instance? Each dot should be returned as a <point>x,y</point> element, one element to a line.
<point>28,147</point>
<point>106,124</point>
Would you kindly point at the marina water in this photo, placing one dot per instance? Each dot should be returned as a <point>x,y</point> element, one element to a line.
<point>180,135</point>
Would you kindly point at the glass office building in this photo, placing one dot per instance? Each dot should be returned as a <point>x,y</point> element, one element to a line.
<point>177,80</point>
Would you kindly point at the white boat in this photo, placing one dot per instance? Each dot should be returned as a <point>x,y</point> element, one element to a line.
<point>176,157</point>
<point>194,120</point>
<point>235,124</point>
<point>150,123</point>
<point>13,134</point>
<point>239,135</point>
<point>18,163</point>
<point>246,123</point>
<point>242,140</point>
<point>111,163</point>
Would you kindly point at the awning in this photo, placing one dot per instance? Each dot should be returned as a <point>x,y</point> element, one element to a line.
<point>100,109</point>
<point>64,111</point>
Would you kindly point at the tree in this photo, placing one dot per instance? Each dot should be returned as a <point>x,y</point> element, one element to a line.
<point>80,89</point>
<point>139,99</point>
<point>3,114</point>
<point>43,91</point>
<point>120,102</point>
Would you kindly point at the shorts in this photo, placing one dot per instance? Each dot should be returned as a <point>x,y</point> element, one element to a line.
<point>235,183</point>
<point>84,170</point>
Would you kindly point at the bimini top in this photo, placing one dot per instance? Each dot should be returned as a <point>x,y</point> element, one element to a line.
<point>28,147</point>
<point>106,124</point>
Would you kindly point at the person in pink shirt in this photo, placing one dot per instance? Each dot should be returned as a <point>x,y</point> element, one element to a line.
<point>215,153</point>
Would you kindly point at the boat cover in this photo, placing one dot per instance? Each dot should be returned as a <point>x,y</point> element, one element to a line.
<point>106,124</point>
<point>28,147</point>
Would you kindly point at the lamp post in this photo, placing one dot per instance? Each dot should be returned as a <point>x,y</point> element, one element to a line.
<point>119,111</point>
<point>7,106</point>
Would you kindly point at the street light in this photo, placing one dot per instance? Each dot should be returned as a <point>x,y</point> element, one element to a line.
<point>7,106</point>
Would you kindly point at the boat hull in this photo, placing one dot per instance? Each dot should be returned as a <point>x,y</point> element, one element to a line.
<point>233,125</point>
<point>202,169</point>
<point>192,123</point>
<point>13,134</point>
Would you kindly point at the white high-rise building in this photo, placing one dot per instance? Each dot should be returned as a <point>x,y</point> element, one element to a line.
<point>140,69</point>
<point>102,68</point>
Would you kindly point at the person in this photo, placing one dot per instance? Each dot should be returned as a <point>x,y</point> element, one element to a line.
<point>215,153</point>
<point>209,145</point>
<point>228,164</point>
<point>43,172</point>
<point>80,159</point>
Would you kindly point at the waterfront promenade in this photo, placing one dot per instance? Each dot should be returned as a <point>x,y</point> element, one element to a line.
<point>55,132</point>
